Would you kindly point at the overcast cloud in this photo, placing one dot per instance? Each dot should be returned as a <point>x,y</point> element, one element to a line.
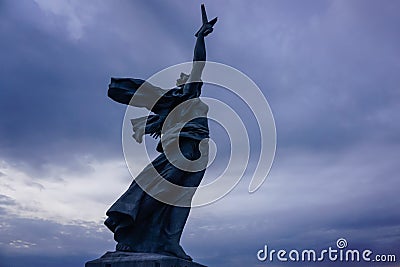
<point>329,69</point>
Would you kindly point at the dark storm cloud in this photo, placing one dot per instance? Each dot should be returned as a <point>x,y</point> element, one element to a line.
<point>323,75</point>
<point>53,97</point>
<point>54,80</point>
<point>329,73</point>
<point>329,70</point>
<point>49,93</point>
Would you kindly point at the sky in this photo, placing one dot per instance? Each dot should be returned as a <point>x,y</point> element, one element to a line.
<point>329,70</point>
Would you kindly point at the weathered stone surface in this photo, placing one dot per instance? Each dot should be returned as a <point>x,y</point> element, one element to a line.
<point>132,259</point>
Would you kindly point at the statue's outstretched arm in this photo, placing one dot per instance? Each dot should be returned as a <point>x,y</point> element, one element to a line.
<point>199,56</point>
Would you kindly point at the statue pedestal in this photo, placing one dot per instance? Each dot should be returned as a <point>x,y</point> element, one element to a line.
<point>133,259</point>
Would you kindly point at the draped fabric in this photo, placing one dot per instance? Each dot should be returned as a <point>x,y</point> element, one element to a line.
<point>161,102</point>
<point>139,222</point>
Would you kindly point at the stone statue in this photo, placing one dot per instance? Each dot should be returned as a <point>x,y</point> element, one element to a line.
<point>141,223</point>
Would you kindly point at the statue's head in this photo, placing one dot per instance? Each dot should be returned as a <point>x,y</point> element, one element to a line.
<point>182,79</point>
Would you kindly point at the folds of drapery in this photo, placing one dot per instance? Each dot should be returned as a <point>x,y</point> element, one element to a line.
<point>140,93</point>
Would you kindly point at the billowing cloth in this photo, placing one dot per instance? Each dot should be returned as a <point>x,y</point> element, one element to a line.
<point>162,102</point>
<point>141,223</point>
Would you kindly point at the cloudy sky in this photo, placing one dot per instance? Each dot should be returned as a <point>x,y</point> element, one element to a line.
<point>329,69</point>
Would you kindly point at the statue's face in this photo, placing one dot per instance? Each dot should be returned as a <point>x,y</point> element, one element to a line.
<point>182,79</point>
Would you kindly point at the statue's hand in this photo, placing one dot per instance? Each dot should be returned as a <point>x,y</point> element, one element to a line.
<point>156,135</point>
<point>205,30</point>
<point>207,26</point>
<point>155,129</point>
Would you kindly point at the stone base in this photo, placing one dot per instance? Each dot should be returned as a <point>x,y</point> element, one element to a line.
<point>133,259</point>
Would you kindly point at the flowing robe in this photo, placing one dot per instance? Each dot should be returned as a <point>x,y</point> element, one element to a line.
<point>139,220</point>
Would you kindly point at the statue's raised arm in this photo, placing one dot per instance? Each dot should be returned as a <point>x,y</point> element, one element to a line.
<point>150,216</point>
<point>199,56</point>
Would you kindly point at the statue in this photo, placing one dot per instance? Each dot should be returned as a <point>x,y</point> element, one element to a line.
<point>141,223</point>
